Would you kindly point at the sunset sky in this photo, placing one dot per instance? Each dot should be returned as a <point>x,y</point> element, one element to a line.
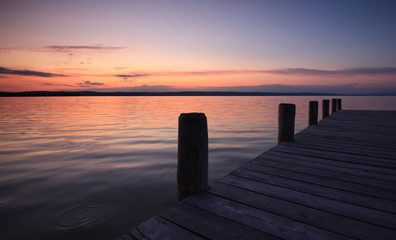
<point>207,45</point>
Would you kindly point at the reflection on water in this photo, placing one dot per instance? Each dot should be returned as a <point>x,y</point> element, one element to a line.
<point>94,167</point>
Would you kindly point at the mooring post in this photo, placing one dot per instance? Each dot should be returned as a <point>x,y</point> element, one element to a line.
<point>333,105</point>
<point>313,113</point>
<point>286,119</point>
<point>325,108</point>
<point>339,104</point>
<point>192,156</point>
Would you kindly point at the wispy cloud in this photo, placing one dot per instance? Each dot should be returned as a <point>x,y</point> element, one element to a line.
<point>351,88</point>
<point>81,48</point>
<point>54,84</point>
<point>142,88</point>
<point>89,84</point>
<point>93,49</point>
<point>342,72</point>
<point>30,73</point>
<point>291,71</point>
<point>132,75</point>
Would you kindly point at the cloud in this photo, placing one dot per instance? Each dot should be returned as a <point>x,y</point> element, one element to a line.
<point>30,73</point>
<point>142,88</point>
<point>94,49</point>
<point>97,49</point>
<point>89,84</point>
<point>370,71</point>
<point>53,84</point>
<point>132,75</point>
<point>342,72</point>
<point>351,88</point>
<point>71,47</point>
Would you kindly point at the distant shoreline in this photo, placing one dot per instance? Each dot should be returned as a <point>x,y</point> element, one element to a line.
<point>184,93</point>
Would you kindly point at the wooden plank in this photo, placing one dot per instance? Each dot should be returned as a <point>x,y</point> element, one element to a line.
<point>310,216</point>
<point>356,121</point>
<point>356,129</point>
<point>158,228</point>
<point>333,175</point>
<point>338,153</point>
<point>359,151</point>
<point>371,124</point>
<point>328,182</point>
<point>344,139</point>
<point>342,143</point>
<point>255,172</point>
<point>378,136</point>
<point>385,174</point>
<point>209,225</point>
<point>260,220</point>
<point>338,124</point>
<point>335,156</point>
<point>367,138</point>
<point>136,235</point>
<point>317,164</point>
<point>370,216</point>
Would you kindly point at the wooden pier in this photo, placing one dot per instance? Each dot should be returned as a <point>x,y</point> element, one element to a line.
<point>336,180</point>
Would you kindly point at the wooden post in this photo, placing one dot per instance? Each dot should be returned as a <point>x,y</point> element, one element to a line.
<point>333,105</point>
<point>313,113</point>
<point>286,119</point>
<point>339,104</point>
<point>325,108</point>
<point>192,156</point>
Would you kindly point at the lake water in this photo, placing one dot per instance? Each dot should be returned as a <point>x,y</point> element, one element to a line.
<point>94,167</point>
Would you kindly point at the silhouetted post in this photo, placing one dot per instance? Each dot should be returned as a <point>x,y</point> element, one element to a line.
<point>286,119</point>
<point>339,104</point>
<point>333,105</point>
<point>313,113</point>
<point>325,108</point>
<point>192,156</point>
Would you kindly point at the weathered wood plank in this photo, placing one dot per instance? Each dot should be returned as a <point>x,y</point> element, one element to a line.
<point>370,161</point>
<point>319,139</point>
<point>310,216</point>
<point>364,180</point>
<point>335,124</point>
<point>365,172</point>
<point>385,174</point>
<point>136,235</point>
<point>260,220</point>
<point>370,216</point>
<point>359,137</point>
<point>358,151</point>
<point>329,182</point>
<point>258,173</point>
<point>209,225</point>
<point>344,139</point>
<point>158,228</point>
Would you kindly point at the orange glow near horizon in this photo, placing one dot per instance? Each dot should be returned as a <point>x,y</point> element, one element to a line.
<point>81,78</point>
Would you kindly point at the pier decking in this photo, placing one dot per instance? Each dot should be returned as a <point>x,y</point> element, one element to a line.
<point>337,180</point>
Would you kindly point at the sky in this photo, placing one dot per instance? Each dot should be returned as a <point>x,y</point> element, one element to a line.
<point>345,47</point>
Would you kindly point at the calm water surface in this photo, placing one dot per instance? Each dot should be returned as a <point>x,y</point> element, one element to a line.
<point>94,167</point>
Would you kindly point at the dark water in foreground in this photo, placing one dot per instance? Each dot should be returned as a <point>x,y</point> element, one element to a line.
<point>94,167</point>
